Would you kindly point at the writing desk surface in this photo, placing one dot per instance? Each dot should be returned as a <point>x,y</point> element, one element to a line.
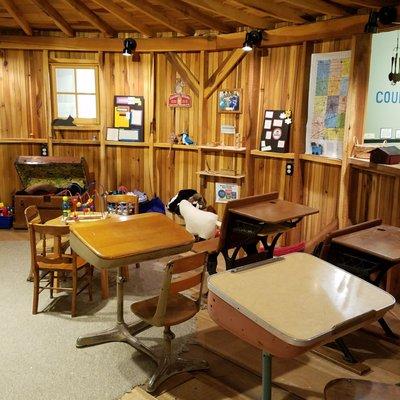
<point>122,240</point>
<point>300,299</point>
<point>382,241</point>
<point>273,211</point>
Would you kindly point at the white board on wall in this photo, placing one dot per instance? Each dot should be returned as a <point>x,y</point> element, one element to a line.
<point>382,116</point>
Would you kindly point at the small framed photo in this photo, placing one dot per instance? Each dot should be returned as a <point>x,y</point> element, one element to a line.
<point>230,101</point>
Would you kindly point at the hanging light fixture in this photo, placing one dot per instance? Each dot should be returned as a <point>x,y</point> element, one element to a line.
<point>129,47</point>
<point>372,25</point>
<point>253,39</point>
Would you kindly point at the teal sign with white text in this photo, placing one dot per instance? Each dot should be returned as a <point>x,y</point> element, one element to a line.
<point>382,119</point>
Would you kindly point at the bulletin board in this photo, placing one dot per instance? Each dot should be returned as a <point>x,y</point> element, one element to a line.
<point>128,117</point>
<point>276,129</point>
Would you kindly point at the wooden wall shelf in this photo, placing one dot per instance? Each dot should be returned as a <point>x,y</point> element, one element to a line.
<point>126,144</point>
<point>220,174</point>
<point>77,128</point>
<point>272,154</point>
<point>221,149</point>
<point>175,146</point>
<point>321,159</point>
<point>22,140</point>
<point>383,169</point>
<point>76,142</point>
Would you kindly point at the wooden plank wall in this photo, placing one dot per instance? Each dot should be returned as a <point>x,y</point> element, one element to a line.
<point>25,114</point>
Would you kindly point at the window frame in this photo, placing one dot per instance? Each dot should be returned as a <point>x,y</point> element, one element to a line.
<point>74,65</point>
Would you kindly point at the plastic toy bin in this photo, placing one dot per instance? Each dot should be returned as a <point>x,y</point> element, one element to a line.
<point>6,222</point>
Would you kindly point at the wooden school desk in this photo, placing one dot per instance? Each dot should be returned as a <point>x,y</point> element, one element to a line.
<point>119,241</point>
<point>252,219</point>
<point>289,305</point>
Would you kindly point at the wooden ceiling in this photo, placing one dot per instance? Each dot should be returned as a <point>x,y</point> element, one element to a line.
<point>149,18</point>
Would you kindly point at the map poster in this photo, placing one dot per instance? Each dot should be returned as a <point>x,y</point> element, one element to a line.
<point>327,97</point>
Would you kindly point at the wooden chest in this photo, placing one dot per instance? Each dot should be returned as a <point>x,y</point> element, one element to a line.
<point>43,178</point>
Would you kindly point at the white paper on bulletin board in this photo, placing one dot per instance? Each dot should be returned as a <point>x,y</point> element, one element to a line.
<point>225,192</point>
<point>327,98</point>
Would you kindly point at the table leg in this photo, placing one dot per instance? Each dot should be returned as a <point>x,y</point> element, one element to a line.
<point>122,332</point>
<point>266,376</point>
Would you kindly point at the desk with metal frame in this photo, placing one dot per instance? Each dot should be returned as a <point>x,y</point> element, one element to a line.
<point>250,220</point>
<point>289,305</point>
<point>119,241</point>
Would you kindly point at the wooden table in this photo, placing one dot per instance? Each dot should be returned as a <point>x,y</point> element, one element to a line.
<point>121,240</point>
<point>289,305</point>
<point>257,218</point>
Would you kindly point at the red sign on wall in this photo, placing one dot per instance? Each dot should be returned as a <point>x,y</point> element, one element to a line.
<point>180,100</point>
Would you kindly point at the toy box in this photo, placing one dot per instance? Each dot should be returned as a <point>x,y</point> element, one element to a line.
<point>42,179</point>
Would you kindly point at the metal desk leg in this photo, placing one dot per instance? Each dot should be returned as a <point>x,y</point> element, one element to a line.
<point>266,376</point>
<point>122,332</point>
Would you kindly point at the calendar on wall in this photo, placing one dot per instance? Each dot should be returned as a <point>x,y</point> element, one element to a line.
<point>276,129</point>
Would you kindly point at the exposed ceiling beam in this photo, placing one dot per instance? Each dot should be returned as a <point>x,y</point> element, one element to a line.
<point>80,7</point>
<point>13,10</point>
<point>152,12</point>
<point>289,35</point>
<point>319,6</point>
<point>125,16</point>
<point>366,3</point>
<point>230,12</point>
<point>274,10</point>
<point>184,71</point>
<point>57,18</point>
<point>198,15</point>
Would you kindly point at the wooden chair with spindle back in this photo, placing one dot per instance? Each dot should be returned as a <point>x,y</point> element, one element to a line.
<point>32,216</point>
<point>171,308</point>
<point>56,261</point>
<point>116,200</point>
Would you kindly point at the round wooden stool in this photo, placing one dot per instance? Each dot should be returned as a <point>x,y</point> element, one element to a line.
<point>357,389</point>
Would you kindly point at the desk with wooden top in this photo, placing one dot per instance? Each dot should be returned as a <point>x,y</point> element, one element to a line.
<point>289,305</point>
<point>252,219</point>
<point>121,240</point>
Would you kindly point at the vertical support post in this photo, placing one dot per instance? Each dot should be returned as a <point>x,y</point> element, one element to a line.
<point>47,101</point>
<point>354,125</point>
<point>266,376</point>
<point>299,131</point>
<point>252,112</point>
<point>152,108</point>
<point>103,125</point>
<point>202,116</point>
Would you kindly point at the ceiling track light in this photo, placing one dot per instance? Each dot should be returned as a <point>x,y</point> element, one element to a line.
<point>253,39</point>
<point>129,47</point>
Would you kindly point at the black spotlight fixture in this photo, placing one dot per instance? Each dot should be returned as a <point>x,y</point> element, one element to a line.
<point>372,24</point>
<point>387,15</point>
<point>129,47</point>
<point>253,39</point>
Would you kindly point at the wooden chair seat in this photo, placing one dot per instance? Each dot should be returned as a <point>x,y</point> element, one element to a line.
<point>179,309</point>
<point>357,389</point>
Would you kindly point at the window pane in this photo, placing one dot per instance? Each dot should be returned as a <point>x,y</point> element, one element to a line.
<point>66,105</point>
<point>86,106</point>
<point>85,80</point>
<point>65,80</point>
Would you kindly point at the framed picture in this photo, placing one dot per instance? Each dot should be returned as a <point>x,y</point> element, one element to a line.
<point>230,101</point>
<point>226,191</point>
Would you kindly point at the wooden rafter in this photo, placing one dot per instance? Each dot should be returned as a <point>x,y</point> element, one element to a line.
<point>233,13</point>
<point>198,15</point>
<point>80,7</point>
<point>319,6</point>
<point>228,66</point>
<point>13,10</point>
<point>184,72</point>
<point>365,3</point>
<point>274,10</point>
<point>125,16</point>
<point>57,18</point>
<point>152,12</point>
